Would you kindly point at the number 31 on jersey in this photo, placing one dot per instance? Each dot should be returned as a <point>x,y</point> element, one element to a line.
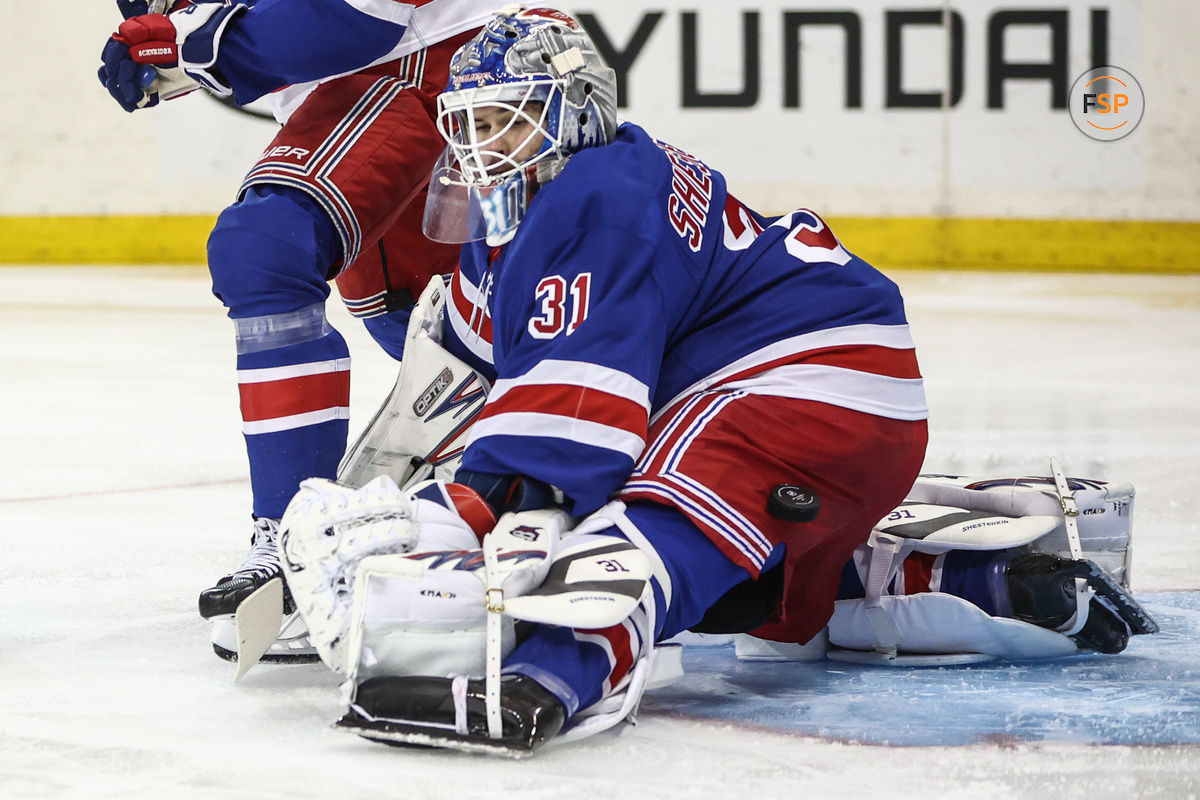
<point>561,309</point>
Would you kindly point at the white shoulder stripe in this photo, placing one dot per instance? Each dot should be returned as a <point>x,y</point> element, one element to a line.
<point>437,20</point>
<point>881,395</point>
<point>576,431</point>
<point>578,373</point>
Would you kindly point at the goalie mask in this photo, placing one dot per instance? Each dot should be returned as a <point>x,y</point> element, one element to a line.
<point>524,95</point>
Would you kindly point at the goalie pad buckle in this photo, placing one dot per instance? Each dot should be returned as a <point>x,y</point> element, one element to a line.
<point>1103,526</point>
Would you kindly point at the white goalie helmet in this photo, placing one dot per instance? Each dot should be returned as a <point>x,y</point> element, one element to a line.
<point>524,95</point>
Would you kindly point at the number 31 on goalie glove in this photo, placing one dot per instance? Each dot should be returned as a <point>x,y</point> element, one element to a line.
<point>588,581</point>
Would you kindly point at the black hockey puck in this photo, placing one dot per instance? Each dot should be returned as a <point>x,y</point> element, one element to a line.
<point>793,503</point>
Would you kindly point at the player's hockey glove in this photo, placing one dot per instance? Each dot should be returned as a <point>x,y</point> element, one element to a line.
<point>130,57</point>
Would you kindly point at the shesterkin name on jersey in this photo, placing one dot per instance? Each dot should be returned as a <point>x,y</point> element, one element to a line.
<point>691,195</point>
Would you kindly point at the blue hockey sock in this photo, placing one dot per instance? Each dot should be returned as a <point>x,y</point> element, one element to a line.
<point>975,576</point>
<point>295,416</point>
<point>978,577</point>
<point>581,667</point>
<point>270,255</point>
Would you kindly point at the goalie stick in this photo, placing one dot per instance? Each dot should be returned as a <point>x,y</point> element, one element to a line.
<point>259,619</point>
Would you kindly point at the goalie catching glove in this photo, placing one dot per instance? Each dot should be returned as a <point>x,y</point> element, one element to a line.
<point>329,530</point>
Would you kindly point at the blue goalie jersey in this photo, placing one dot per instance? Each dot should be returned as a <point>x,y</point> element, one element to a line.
<point>634,282</point>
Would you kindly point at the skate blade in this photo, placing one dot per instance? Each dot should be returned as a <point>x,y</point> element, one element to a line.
<point>291,645</point>
<point>1130,610</point>
<point>270,657</point>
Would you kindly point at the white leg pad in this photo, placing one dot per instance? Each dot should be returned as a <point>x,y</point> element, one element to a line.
<point>1104,518</point>
<point>938,623</point>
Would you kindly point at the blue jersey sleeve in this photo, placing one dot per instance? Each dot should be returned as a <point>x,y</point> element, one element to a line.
<point>275,43</point>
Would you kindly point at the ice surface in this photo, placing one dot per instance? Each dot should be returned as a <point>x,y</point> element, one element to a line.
<point>124,494</point>
<point>1148,695</point>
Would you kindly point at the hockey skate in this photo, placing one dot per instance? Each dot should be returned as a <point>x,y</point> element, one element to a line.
<point>451,713</point>
<point>220,602</point>
<point>1042,591</point>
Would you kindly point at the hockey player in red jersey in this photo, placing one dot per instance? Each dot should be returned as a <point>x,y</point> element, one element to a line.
<point>676,381</point>
<point>338,193</point>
